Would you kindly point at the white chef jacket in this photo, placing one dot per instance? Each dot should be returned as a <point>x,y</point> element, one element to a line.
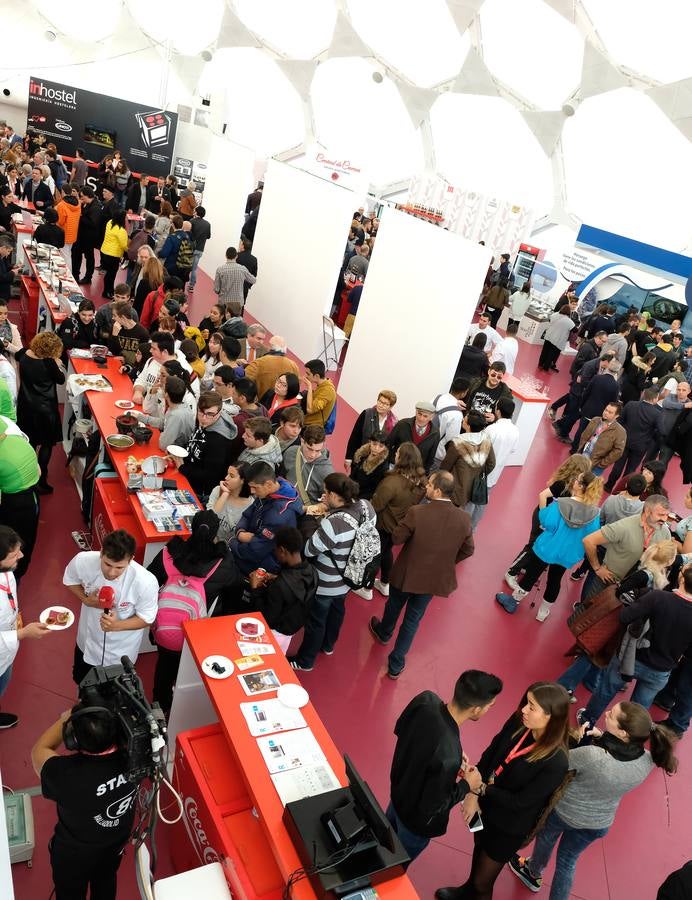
<point>136,594</point>
<point>506,351</point>
<point>504,436</point>
<point>9,642</point>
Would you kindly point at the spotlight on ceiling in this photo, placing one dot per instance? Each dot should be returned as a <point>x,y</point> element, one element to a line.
<point>377,77</point>
<point>207,55</point>
<point>50,35</point>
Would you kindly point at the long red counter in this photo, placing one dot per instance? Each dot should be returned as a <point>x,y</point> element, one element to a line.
<point>232,809</point>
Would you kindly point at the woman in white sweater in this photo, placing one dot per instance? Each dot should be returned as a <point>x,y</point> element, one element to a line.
<point>615,763</point>
<point>556,337</point>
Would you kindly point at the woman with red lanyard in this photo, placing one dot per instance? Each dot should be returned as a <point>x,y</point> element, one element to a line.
<point>285,393</point>
<point>521,769</point>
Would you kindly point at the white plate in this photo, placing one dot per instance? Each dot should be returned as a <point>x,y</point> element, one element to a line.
<point>248,619</point>
<point>124,404</point>
<point>222,661</point>
<point>46,612</point>
<point>175,450</point>
<point>293,695</point>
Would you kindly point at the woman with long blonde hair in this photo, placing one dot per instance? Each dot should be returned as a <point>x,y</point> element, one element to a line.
<point>150,279</point>
<point>559,546</point>
<point>555,487</point>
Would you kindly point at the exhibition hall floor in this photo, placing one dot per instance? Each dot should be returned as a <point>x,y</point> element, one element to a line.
<point>358,703</point>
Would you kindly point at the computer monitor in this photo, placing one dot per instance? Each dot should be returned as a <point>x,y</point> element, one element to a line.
<point>663,309</point>
<point>369,808</point>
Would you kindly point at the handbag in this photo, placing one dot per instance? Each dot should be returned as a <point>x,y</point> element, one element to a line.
<point>479,490</point>
<point>597,627</point>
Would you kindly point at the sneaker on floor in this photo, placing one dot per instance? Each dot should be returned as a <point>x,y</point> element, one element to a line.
<point>394,675</point>
<point>577,575</point>
<point>519,865</point>
<point>381,587</point>
<point>372,625</point>
<point>365,593</point>
<point>293,662</point>
<point>550,413</point>
<point>543,611</point>
<point>572,698</point>
<point>511,581</point>
<point>508,602</point>
<point>328,652</point>
<point>8,720</point>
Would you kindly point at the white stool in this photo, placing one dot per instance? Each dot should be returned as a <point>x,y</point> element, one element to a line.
<point>206,881</point>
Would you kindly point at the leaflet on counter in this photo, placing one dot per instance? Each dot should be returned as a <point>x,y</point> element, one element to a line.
<point>269,716</point>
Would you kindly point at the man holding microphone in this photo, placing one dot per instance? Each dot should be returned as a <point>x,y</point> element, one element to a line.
<point>119,599</point>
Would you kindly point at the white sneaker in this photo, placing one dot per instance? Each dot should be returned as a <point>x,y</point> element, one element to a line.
<point>511,581</point>
<point>365,593</point>
<point>543,611</point>
<point>381,587</point>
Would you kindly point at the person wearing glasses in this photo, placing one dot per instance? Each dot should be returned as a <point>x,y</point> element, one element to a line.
<point>209,448</point>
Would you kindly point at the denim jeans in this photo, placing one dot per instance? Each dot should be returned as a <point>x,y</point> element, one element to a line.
<point>677,695</point>
<point>582,671</point>
<point>573,842</point>
<point>649,683</point>
<point>569,415</point>
<point>322,628</point>
<point>5,679</point>
<point>414,844</point>
<point>477,510</point>
<point>196,256</point>
<point>415,604</point>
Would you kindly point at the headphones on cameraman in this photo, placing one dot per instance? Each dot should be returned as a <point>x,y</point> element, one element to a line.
<point>69,738</point>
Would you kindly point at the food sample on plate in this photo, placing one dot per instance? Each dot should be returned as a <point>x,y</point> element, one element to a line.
<point>249,628</point>
<point>57,617</point>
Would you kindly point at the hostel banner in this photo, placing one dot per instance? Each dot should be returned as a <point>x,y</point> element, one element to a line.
<point>71,117</point>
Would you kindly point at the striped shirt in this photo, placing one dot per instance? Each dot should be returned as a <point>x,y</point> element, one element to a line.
<point>229,281</point>
<point>336,533</point>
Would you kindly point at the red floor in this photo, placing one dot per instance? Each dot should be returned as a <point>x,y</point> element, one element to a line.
<point>359,705</point>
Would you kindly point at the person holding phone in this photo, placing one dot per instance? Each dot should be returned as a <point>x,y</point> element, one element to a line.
<point>521,769</point>
<point>612,764</point>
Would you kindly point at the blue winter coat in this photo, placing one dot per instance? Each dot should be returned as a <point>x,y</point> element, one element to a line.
<point>565,522</point>
<point>262,518</point>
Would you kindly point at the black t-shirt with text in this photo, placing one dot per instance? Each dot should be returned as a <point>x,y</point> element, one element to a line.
<point>96,803</point>
<point>484,399</point>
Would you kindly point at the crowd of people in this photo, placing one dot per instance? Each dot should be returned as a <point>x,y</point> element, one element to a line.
<point>287,530</point>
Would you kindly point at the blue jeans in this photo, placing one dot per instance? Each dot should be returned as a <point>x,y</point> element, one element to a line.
<point>598,470</point>
<point>649,683</point>
<point>322,628</point>
<point>414,844</point>
<point>5,679</point>
<point>415,604</point>
<point>196,256</point>
<point>582,671</point>
<point>573,842</point>
<point>677,695</point>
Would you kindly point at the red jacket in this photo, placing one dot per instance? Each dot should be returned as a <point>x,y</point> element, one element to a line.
<point>152,307</point>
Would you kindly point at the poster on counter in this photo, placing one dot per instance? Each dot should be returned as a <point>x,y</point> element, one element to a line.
<point>71,117</point>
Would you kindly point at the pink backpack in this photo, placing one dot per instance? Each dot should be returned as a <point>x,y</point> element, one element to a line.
<point>181,598</point>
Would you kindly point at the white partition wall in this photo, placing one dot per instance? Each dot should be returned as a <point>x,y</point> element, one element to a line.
<point>299,244</point>
<point>419,297</point>
<point>229,181</point>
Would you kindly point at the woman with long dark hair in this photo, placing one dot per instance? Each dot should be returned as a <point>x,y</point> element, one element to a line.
<point>522,768</point>
<point>199,556</point>
<point>616,762</point>
<point>653,471</point>
<point>286,392</point>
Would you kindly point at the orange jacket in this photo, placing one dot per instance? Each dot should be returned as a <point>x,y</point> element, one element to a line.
<point>68,219</point>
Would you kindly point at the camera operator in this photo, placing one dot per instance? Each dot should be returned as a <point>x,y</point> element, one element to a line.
<point>105,634</point>
<point>12,631</point>
<point>96,804</point>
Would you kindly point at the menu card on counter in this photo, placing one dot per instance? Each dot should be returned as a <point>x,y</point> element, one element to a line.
<point>270,716</point>
<point>297,765</point>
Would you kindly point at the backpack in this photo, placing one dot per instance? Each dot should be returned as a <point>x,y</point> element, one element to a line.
<point>479,490</point>
<point>183,259</point>
<point>181,599</point>
<point>330,424</point>
<point>364,557</point>
<point>441,412</point>
<point>235,327</point>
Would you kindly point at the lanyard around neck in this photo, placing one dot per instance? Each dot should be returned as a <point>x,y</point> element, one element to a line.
<point>8,590</point>
<point>516,752</point>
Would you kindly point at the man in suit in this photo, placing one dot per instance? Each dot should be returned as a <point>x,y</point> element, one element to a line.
<point>88,235</point>
<point>641,419</point>
<point>436,536</point>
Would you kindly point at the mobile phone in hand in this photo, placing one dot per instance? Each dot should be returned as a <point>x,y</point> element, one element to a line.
<point>476,823</point>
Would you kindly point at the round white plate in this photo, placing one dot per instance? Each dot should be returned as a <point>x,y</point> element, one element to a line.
<point>175,450</point>
<point>222,661</point>
<point>46,612</point>
<point>124,404</point>
<point>293,695</point>
<point>249,620</point>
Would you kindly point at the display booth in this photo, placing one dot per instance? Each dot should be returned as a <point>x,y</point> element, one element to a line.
<point>300,241</point>
<point>417,304</point>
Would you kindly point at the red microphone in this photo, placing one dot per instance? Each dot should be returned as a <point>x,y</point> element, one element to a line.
<point>106,597</point>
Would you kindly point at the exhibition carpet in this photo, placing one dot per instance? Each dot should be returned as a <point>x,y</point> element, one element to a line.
<point>355,699</point>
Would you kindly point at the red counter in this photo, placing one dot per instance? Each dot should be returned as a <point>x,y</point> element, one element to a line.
<point>232,809</point>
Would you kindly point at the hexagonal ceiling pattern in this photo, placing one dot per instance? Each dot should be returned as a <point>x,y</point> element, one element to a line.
<point>505,96</point>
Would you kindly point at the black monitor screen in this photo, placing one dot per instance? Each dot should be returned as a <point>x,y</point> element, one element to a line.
<point>369,808</point>
<point>101,136</point>
<point>663,309</point>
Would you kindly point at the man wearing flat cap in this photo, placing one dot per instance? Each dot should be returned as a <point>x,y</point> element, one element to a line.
<point>419,429</point>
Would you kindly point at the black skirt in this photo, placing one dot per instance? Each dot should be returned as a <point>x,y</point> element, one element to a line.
<point>496,844</point>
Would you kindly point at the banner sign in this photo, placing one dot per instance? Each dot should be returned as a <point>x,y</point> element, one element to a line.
<point>71,117</point>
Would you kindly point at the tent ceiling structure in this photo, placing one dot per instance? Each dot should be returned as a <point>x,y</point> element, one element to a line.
<point>551,103</point>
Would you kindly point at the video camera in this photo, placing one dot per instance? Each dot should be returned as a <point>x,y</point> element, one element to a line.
<point>141,726</point>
